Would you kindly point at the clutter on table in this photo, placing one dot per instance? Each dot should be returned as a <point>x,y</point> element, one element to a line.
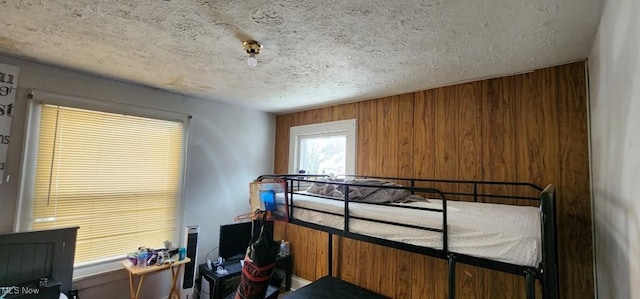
<point>145,257</point>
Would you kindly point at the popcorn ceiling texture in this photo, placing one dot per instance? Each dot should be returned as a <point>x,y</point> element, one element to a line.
<point>315,52</point>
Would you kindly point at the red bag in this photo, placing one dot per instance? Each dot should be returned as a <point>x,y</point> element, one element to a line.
<point>258,266</point>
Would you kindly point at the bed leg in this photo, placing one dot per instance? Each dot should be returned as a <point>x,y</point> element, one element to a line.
<point>531,284</point>
<point>452,276</point>
<point>549,244</point>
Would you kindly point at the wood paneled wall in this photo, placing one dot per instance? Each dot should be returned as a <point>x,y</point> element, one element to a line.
<point>530,127</point>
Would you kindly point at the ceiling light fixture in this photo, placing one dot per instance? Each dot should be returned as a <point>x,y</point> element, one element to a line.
<point>252,48</point>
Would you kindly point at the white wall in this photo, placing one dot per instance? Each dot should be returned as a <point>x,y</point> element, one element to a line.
<point>228,147</point>
<point>614,79</point>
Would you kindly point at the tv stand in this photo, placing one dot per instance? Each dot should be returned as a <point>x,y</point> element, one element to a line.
<point>235,258</point>
<point>221,285</point>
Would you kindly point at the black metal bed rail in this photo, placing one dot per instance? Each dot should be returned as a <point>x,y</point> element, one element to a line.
<point>431,229</point>
<point>297,178</point>
<point>372,203</point>
<point>547,272</point>
<point>434,252</point>
<point>300,177</point>
<point>549,266</point>
<point>284,176</point>
<point>506,183</point>
<point>347,215</point>
<point>474,183</point>
<point>492,196</point>
<point>310,178</point>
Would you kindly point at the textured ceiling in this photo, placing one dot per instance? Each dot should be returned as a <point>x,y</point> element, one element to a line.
<point>315,52</point>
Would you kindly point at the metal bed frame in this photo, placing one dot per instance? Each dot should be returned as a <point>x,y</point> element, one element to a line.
<point>546,272</point>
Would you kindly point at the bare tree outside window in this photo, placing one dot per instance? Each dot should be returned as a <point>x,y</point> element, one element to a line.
<point>323,155</point>
<point>323,148</point>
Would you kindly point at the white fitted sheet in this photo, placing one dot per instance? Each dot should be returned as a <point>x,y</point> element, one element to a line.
<point>504,233</point>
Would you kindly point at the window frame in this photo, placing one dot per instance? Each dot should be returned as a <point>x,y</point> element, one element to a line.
<point>348,127</point>
<point>36,99</point>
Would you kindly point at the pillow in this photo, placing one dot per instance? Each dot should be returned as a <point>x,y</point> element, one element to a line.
<point>375,192</point>
<point>326,189</point>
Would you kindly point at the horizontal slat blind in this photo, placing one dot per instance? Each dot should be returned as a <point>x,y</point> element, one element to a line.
<point>116,176</point>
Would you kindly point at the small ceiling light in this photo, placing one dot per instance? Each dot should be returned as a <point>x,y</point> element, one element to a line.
<point>252,48</point>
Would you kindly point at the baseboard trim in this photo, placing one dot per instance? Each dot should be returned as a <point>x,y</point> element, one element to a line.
<point>298,282</point>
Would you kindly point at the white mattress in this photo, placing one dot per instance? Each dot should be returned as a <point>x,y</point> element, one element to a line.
<point>505,233</point>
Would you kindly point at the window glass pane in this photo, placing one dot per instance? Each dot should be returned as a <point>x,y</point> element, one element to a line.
<point>328,148</point>
<point>323,154</point>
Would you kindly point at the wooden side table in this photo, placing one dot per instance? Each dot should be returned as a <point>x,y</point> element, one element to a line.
<point>142,271</point>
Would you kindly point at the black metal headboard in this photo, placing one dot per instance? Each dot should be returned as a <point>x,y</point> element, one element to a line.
<point>29,256</point>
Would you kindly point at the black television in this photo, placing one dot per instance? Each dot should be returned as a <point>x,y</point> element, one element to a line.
<point>235,238</point>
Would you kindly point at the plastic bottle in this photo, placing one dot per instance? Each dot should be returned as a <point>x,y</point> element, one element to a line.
<point>160,260</point>
<point>282,248</point>
<point>287,248</point>
<point>142,257</point>
<point>182,253</point>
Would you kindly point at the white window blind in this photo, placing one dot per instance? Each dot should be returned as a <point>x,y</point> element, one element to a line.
<point>117,177</point>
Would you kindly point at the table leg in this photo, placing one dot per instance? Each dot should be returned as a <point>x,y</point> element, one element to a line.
<point>175,272</point>
<point>139,287</point>
<point>131,286</point>
<point>135,294</point>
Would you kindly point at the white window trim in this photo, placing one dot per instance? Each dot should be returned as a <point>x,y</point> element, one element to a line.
<point>342,127</point>
<point>24,206</point>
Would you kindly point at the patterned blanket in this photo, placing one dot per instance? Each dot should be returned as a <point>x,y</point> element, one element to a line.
<point>365,190</point>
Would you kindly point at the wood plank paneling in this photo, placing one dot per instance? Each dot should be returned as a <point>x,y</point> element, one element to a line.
<point>468,282</point>
<point>293,119</point>
<point>282,144</point>
<point>405,162</point>
<point>367,138</point>
<point>301,251</point>
<point>337,256</point>
<point>498,146</point>
<point>424,146</point>
<point>536,123</point>
<point>306,117</point>
<point>502,285</point>
<point>440,280</point>
<point>469,135</point>
<point>317,247</point>
<point>387,269</point>
<point>345,111</point>
<point>386,156</point>
<point>404,276</point>
<point>573,198</point>
<point>445,139</point>
<point>349,261</point>
<point>530,127</point>
<point>317,115</point>
<point>365,269</point>
<point>422,274</point>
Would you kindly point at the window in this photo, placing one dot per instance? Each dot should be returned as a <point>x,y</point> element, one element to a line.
<point>325,148</point>
<point>118,176</point>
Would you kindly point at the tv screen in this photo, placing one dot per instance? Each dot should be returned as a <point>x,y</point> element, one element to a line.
<point>235,238</point>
